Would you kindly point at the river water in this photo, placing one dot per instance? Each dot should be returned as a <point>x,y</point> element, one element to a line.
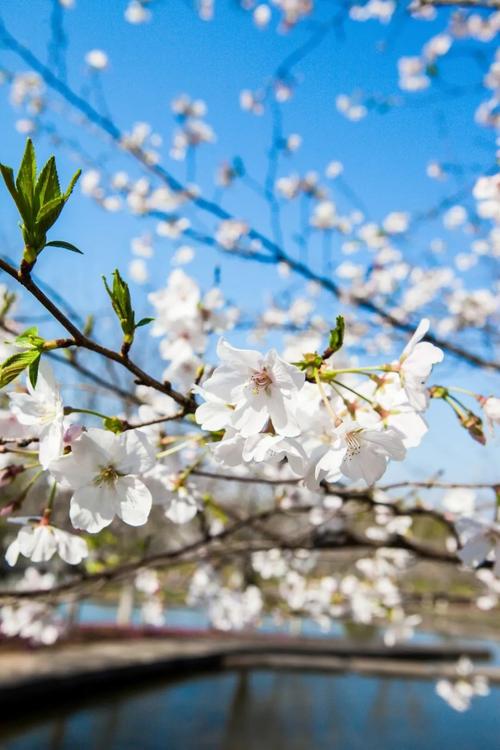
<point>259,710</point>
<point>265,710</point>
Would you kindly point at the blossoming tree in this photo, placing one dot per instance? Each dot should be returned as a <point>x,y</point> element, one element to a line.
<point>238,477</point>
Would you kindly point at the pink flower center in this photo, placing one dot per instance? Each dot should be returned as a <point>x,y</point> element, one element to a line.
<point>261,380</point>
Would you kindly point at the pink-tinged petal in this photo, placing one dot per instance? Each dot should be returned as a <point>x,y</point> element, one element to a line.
<point>134,500</point>
<point>72,433</point>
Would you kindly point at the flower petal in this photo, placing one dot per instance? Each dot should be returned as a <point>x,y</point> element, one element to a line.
<point>134,502</point>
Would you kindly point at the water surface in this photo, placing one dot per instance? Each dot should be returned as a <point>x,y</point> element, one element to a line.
<point>265,710</point>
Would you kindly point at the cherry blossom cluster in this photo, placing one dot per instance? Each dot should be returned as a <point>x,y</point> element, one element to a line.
<point>269,412</point>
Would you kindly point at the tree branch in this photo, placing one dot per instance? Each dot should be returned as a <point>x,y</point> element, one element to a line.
<point>83,341</point>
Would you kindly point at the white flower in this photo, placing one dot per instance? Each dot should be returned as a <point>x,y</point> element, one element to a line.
<point>459,693</point>
<point>412,74</point>
<point>273,449</point>
<point>146,581</point>
<point>392,408</point>
<point>396,222</point>
<point>360,453</point>
<point>262,15</point>
<point>136,13</point>
<point>43,409</point>
<point>325,215</point>
<point>460,500</point>
<point>261,388</point>
<point>230,232</point>
<point>401,627</point>
<point>491,408</point>
<point>34,620</point>
<point>214,413</point>
<point>489,599</point>
<point>138,271</point>
<point>39,542</point>
<point>234,610</point>
<point>11,428</point>
<point>104,471</point>
<point>153,613</point>
<point>480,541</point>
<point>97,59</point>
<point>182,506</point>
<point>169,490</point>
<point>415,365</point>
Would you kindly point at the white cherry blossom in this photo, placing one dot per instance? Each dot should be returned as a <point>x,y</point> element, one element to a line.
<point>360,453</point>
<point>261,388</point>
<point>491,409</point>
<point>415,365</point>
<point>39,541</point>
<point>179,499</point>
<point>42,409</point>
<point>480,541</point>
<point>104,471</point>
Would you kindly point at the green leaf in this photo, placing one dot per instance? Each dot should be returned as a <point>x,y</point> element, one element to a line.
<point>33,331</point>
<point>72,184</point>
<point>47,186</point>
<point>144,322</point>
<point>337,335</point>
<point>65,245</point>
<point>8,176</point>
<point>48,214</point>
<point>33,371</point>
<point>30,338</point>
<point>39,201</point>
<point>6,303</point>
<point>121,302</point>
<point>25,181</point>
<point>15,364</point>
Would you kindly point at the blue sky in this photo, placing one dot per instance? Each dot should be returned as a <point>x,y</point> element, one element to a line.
<point>384,156</point>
